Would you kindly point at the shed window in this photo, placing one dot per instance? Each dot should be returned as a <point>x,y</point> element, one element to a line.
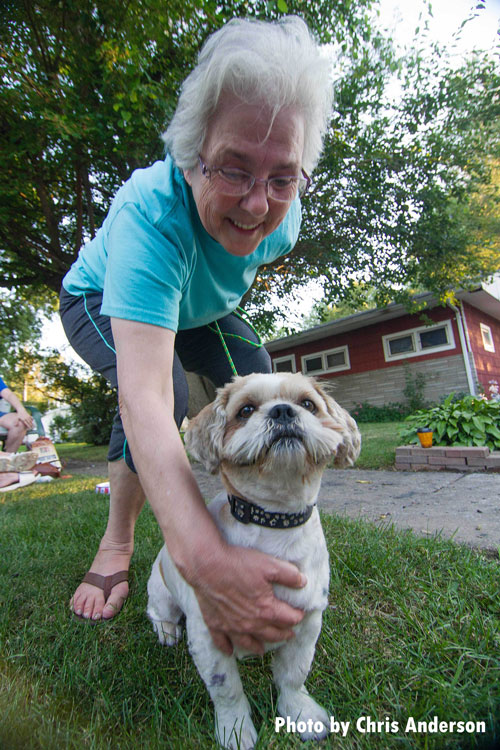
<point>284,364</point>
<point>313,364</point>
<point>419,341</point>
<point>401,345</point>
<point>433,338</point>
<point>331,360</point>
<point>487,337</point>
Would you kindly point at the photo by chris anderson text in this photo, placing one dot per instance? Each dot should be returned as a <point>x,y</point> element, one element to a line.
<point>369,725</point>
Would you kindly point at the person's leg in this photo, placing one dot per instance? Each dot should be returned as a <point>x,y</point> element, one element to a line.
<point>16,431</point>
<point>126,501</point>
<point>8,477</point>
<point>90,335</point>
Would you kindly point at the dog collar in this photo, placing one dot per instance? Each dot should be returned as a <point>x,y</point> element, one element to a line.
<point>246,512</point>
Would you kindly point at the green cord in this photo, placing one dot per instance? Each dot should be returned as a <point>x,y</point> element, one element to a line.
<point>222,336</point>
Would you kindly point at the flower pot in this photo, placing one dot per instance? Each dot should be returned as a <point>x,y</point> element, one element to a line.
<point>425,437</point>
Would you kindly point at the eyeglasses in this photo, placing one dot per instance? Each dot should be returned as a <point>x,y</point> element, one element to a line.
<point>237,182</point>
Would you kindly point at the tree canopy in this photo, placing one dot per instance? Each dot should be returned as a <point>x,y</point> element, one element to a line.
<point>87,87</point>
<point>406,196</point>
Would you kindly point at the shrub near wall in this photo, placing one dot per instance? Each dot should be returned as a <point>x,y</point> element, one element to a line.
<point>366,412</point>
<point>470,421</point>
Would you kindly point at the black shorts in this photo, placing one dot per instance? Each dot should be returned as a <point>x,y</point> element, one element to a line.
<point>197,350</point>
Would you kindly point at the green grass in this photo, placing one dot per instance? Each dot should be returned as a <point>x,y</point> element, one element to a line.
<point>379,441</point>
<point>412,630</point>
<point>82,452</point>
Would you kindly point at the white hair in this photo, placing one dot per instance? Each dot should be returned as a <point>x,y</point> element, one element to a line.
<point>277,65</point>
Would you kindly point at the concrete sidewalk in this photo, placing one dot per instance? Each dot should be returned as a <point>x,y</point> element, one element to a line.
<point>462,506</point>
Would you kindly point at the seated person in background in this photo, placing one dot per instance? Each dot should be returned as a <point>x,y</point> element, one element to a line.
<point>16,422</point>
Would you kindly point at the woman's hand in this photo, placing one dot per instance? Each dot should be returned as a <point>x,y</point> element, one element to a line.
<point>235,593</point>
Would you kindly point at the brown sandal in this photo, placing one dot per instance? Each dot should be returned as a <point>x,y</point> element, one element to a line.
<point>106,584</point>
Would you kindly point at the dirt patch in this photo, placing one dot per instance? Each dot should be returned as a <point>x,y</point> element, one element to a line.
<point>86,468</point>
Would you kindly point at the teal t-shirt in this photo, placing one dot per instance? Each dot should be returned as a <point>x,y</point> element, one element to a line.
<point>155,263</point>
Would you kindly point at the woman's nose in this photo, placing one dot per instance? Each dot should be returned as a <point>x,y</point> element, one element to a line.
<point>256,201</point>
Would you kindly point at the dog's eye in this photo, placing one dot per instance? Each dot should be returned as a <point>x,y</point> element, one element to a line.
<point>246,411</point>
<point>309,405</point>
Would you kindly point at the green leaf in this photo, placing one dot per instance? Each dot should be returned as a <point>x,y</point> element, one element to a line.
<point>478,423</point>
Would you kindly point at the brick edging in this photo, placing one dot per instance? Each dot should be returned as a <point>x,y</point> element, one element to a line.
<point>455,458</point>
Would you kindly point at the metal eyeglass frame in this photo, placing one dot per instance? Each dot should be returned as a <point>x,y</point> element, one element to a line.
<point>301,190</point>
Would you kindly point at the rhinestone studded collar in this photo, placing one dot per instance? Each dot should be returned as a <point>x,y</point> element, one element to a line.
<point>246,512</point>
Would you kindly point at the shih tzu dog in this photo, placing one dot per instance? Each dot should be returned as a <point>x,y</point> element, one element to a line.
<point>270,437</point>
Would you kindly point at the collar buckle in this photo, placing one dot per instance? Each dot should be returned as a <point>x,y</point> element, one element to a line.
<point>240,509</point>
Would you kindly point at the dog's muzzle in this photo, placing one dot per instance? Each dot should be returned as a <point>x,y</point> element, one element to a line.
<point>283,428</point>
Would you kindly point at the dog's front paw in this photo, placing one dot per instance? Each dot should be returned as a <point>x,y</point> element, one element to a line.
<point>309,716</point>
<point>235,733</point>
<point>169,634</point>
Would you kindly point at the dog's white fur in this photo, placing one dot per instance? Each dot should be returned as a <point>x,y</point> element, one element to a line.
<point>277,466</point>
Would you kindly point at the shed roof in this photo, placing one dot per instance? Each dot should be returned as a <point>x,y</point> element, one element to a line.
<point>484,298</point>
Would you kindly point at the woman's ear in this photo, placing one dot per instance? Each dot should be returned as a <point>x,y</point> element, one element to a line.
<point>188,176</point>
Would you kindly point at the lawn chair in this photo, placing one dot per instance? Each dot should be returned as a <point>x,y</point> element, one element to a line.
<point>31,435</point>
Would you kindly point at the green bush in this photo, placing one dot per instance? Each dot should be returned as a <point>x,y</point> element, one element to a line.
<point>60,427</point>
<point>469,421</point>
<point>393,412</point>
<point>414,390</point>
<point>93,415</point>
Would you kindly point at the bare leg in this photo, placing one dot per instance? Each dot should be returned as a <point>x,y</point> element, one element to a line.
<point>116,547</point>
<point>8,477</point>
<point>16,432</point>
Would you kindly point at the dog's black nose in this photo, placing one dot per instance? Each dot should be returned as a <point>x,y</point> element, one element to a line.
<point>283,413</point>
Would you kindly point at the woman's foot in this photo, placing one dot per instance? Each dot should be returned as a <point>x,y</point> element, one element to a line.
<point>125,503</point>
<point>89,600</point>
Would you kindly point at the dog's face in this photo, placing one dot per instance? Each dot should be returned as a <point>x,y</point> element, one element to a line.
<point>273,424</point>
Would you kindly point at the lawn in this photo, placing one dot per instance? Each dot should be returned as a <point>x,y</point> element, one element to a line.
<point>82,452</point>
<point>379,441</point>
<point>412,630</point>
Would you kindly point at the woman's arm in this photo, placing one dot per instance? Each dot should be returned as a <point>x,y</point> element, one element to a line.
<point>233,585</point>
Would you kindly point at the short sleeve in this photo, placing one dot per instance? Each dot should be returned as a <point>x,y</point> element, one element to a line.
<point>146,269</point>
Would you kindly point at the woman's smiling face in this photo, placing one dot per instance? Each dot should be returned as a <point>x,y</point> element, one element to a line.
<point>240,136</point>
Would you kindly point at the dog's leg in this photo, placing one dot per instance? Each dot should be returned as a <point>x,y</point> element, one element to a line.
<point>233,723</point>
<point>162,609</point>
<point>291,665</point>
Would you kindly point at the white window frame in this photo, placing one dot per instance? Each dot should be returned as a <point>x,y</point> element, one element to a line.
<point>487,336</point>
<point>418,351</point>
<point>324,354</point>
<point>287,358</point>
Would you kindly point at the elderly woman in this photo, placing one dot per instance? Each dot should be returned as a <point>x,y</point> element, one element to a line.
<point>179,248</point>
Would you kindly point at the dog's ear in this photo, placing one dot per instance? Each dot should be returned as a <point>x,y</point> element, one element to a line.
<point>349,448</point>
<point>205,433</point>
